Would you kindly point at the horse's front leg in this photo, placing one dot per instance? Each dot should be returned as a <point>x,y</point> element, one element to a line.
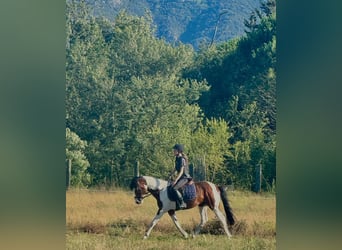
<point>154,222</point>
<point>174,219</point>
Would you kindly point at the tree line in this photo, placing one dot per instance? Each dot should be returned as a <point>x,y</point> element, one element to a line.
<point>131,96</point>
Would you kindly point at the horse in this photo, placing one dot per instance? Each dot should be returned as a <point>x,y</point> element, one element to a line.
<point>207,195</point>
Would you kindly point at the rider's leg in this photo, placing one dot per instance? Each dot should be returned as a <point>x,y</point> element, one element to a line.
<point>180,184</point>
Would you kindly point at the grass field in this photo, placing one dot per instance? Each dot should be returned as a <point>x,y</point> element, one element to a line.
<point>112,220</point>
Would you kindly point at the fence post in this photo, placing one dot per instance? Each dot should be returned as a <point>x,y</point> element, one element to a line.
<point>191,170</point>
<point>68,173</point>
<point>258,178</point>
<point>111,175</point>
<point>204,167</point>
<point>136,169</point>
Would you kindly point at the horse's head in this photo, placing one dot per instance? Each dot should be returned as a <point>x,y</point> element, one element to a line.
<point>139,185</point>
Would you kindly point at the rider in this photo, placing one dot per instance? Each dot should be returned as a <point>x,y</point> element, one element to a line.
<point>182,169</point>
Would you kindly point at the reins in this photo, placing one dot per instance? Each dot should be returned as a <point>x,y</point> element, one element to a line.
<point>145,196</point>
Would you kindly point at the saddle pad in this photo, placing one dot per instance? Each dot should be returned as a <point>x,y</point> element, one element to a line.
<point>171,193</point>
<point>189,192</point>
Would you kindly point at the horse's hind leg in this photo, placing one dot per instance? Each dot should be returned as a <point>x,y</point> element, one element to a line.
<point>221,217</point>
<point>204,218</point>
<point>154,222</point>
<point>174,219</point>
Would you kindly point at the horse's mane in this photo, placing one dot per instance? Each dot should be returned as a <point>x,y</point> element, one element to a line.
<point>155,183</point>
<point>152,182</point>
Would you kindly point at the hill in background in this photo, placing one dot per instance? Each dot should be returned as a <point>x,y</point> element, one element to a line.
<point>186,21</point>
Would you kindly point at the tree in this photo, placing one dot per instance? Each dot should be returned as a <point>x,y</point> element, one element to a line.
<point>245,67</point>
<point>126,95</point>
<point>209,147</point>
<point>259,47</point>
<point>251,145</point>
<point>87,81</point>
<point>131,96</point>
<point>241,74</point>
<point>75,151</point>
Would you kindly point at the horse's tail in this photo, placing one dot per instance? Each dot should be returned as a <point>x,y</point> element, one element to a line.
<point>229,214</point>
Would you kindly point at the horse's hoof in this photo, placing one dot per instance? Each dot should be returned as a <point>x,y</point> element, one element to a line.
<point>145,237</point>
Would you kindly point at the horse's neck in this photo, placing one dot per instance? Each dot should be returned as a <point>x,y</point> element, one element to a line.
<point>155,183</point>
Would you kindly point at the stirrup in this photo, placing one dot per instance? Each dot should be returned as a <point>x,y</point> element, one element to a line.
<point>183,205</point>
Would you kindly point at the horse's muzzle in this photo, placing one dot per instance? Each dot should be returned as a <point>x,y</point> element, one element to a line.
<point>138,200</point>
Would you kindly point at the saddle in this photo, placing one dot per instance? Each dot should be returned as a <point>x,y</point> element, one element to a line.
<point>188,191</point>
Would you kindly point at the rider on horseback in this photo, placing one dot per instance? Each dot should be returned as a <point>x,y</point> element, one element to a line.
<point>182,169</point>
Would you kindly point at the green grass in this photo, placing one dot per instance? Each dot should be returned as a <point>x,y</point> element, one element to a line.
<point>111,220</point>
<point>166,241</point>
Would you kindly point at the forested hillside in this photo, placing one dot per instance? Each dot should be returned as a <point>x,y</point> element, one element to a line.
<point>130,96</point>
<point>186,21</point>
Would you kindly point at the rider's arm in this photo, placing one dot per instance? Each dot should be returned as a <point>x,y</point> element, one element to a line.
<point>179,175</point>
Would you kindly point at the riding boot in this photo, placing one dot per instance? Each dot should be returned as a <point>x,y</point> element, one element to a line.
<point>182,204</point>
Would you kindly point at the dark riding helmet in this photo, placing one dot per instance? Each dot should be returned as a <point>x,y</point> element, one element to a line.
<point>179,147</point>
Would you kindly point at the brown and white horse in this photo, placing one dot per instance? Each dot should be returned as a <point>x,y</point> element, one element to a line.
<point>207,195</point>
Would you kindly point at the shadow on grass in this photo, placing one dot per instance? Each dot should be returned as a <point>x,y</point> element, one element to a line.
<point>127,227</point>
<point>241,228</point>
<point>116,228</point>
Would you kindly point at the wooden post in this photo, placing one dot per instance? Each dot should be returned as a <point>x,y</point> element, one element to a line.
<point>136,169</point>
<point>111,175</point>
<point>191,170</point>
<point>68,173</point>
<point>204,167</point>
<point>258,178</point>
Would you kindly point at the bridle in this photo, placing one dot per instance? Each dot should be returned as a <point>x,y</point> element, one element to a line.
<point>144,196</point>
<point>141,196</point>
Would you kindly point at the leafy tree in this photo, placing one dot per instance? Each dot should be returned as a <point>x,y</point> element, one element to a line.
<point>259,47</point>
<point>126,95</point>
<point>131,96</point>
<point>75,151</point>
<point>209,146</point>
<point>135,51</point>
<point>151,105</point>
<point>241,74</point>
<point>245,67</point>
<point>156,113</point>
<point>87,81</point>
<point>251,145</point>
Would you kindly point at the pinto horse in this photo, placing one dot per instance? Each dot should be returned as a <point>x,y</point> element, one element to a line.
<point>207,195</point>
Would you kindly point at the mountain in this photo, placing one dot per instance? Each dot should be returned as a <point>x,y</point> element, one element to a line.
<point>186,21</point>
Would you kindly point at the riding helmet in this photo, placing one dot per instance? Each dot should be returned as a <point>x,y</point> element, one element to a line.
<point>179,147</point>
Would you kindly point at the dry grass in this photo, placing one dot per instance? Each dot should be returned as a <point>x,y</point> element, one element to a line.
<point>103,220</point>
